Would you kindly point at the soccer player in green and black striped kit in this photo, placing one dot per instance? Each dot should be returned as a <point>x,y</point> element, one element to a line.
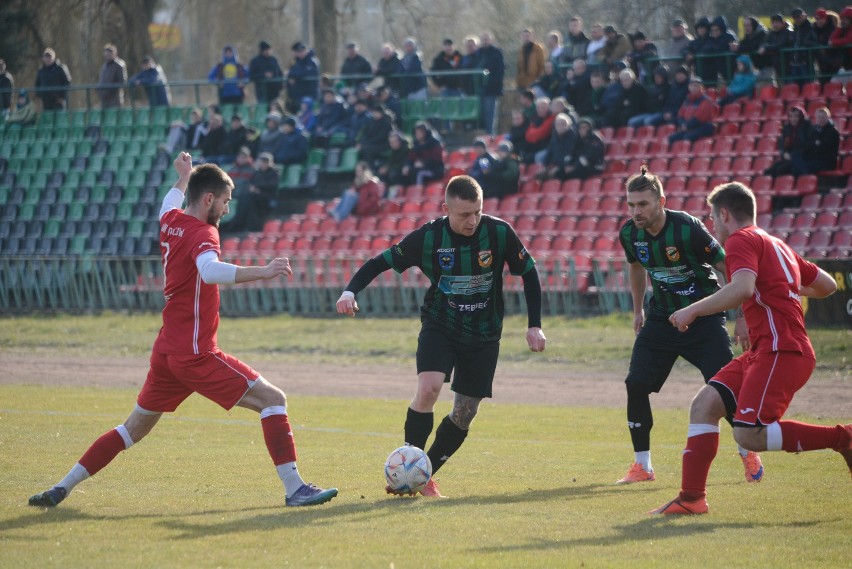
<point>462,254</point>
<point>678,253</point>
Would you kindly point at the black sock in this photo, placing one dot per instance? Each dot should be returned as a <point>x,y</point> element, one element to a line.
<point>448,439</point>
<point>639,417</point>
<point>418,427</point>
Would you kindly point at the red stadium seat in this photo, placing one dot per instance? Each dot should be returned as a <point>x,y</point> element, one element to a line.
<point>820,239</point>
<point>696,205</point>
<point>571,186</point>
<point>561,244</point>
<point>804,221</point>
<point>674,202</point>
<point>546,224</point>
<point>676,185</point>
<point>315,208</point>
<point>644,132</point>
<point>303,244</point>
<point>741,166</point>
<point>566,224</point>
<point>767,147</point>
<point>700,165</point>
<point>839,108</point>
<point>348,226</point>
<point>392,206</point>
<point>752,110</point>
<point>539,245</point>
<point>592,186</point>
<point>842,239</point>
<point>798,240</point>
<point>770,128</point>
<point>790,93</point>
<point>380,243</point>
<point>764,203</point>
<point>328,225</point>
<point>551,186</point>
<point>681,148</point>
<point>407,224</point>
<point>767,92</point>
<point>284,246</point>
<point>435,190</point>
<point>732,112</point>
<point>664,131</point>
<point>616,149</point>
<point>761,183</point>
<point>525,223</point>
<point>266,246</point>
<point>367,225</point>
<point>610,204</point>
<point>612,186</point>
<point>272,227</point>
<point>806,185</point>
<point>832,90</point>
<point>624,133</point>
<point>509,204</point>
<point>609,224</point>
<point>814,105</point>
<point>570,203</point>
<point>582,244</point>
<point>751,128</point>
<point>744,146</point>
<point>774,110</point>
<point>340,243</point>
<point>826,220</point>
<point>230,245</point>
<point>784,185</point>
<point>291,226</point>
<point>530,187</point>
<point>811,91</point>
<point>587,224</point>
<point>761,163</point>
<point>724,146</point>
<point>701,147</point>
<point>635,164</point>
<point>589,204</point>
<point>529,203</point>
<point>680,166</point>
<point>658,165</point>
<point>388,225</point>
<point>697,186</point>
<point>361,243</point>
<point>549,203</point>
<point>764,220</point>
<point>832,201</point>
<point>310,225</point>
<point>783,222</point>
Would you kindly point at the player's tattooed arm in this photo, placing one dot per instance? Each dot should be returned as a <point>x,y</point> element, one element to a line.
<point>464,410</point>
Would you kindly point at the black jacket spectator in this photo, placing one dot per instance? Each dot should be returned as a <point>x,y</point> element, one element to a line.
<point>292,145</point>
<point>588,156</point>
<point>491,59</point>
<point>778,38</point>
<point>374,136</point>
<point>822,146</point>
<point>577,90</point>
<point>393,161</point>
<point>642,57</point>
<point>355,64</point>
<point>389,67</point>
<point>7,83</point>
<point>699,46</point>
<point>559,151</point>
<point>503,177</point>
<point>752,40</point>
<point>550,83</point>
<point>50,79</point>
<point>426,159</point>
<point>794,140</point>
<point>447,62</point>
<point>677,92</point>
<point>303,76</point>
<point>719,46</point>
<point>632,101</point>
<point>236,138</point>
<point>575,48</point>
<point>266,74</point>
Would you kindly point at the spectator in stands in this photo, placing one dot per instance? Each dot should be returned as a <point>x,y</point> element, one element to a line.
<point>517,133</point>
<point>554,47</point>
<point>112,78</point>
<point>426,159</point>
<point>695,118</point>
<point>597,41</point>
<point>385,96</point>
<point>577,88</point>
<point>530,60</point>
<point>266,74</point>
<point>7,85</point>
<point>306,117</point>
<point>392,162</point>
<point>502,178</point>
<point>373,144</point>
<point>616,48</point>
<point>491,60</point>
<point>52,82</point>
<point>364,197</point>
<point>550,83</point>
<point>292,146</point>
<point>448,59</point>
<point>674,50</point>
<point>742,86</point>
<point>539,130</point>
<point>413,83</point>
<point>754,36</point>
<point>24,113</point>
<point>482,162</point>
<point>195,133</point>
<point>720,47</point>
<point>577,43</point>
<point>231,77</point>
<point>527,99</point>
<point>643,57</point>
<point>359,119</point>
<point>779,37</point>
<point>632,101</point>
<point>331,119</point>
<point>828,60</point>
<point>598,83</point>
<point>561,105</point>
<point>153,79</point>
<point>268,139</point>
<point>610,98</point>
<point>355,68</point>
<point>389,67</point>
<point>214,147</point>
<point>587,160</point>
<point>698,47</point>
<point>241,172</point>
<point>238,136</point>
<point>794,139</point>
<point>303,76</point>
<point>658,94</point>
<point>804,37</point>
<point>470,62</point>
<point>823,145</point>
<point>255,204</point>
<point>841,40</point>
<point>559,150</point>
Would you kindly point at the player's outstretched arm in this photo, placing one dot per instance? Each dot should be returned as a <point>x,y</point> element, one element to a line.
<point>824,285</point>
<point>729,296</point>
<point>183,167</point>
<point>532,294</point>
<point>346,304</point>
<point>279,267</point>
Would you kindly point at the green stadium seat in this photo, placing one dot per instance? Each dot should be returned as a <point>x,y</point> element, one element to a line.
<point>135,227</point>
<point>160,116</point>
<point>124,211</point>
<point>90,178</point>
<point>39,180</point>
<point>28,135</point>
<point>112,162</point>
<point>126,118</point>
<point>142,116</point>
<point>21,150</point>
<point>4,194</point>
<point>47,120</point>
<point>66,195</point>
<point>434,108</point>
<point>52,227</point>
<point>32,195</point>
<point>75,211</point>
<point>122,178</point>
<point>131,195</point>
<point>36,152</point>
<point>61,164</point>
<point>78,245</point>
<point>98,194</point>
<point>62,121</point>
<point>316,157</point>
<point>337,139</point>
<point>96,163</point>
<point>347,161</point>
<point>109,117</point>
<point>117,148</point>
<point>469,109</point>
<point>78,119</point>
<point>137,178</point>
<point>26,211</point>
<point>292,176</point>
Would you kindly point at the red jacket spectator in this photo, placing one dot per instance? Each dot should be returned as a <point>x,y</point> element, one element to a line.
<point>369,198</point>
<point>697,108</point>
<point>540,133</point>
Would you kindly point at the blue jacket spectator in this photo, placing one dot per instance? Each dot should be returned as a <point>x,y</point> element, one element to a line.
<point>359,118</point>
<point>266,74</point>
<point>470,62</point>
<point>234,76</point>
<point>332,116</point>
<point>292,147</point>
<point>153,79</point>
<point>642,57</point>
<point>678,90</point>
<point>303,76</point>
<point>306,117</point>
<point>482,163</point>
<point>389,67</point>
<point>742,85</point>
<point>413,84</point>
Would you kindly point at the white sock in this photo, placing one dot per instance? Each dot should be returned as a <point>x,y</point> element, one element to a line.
<point>76,475</point>
<point>644,458</point>
<point>289,475</point>
<point>743,452</point>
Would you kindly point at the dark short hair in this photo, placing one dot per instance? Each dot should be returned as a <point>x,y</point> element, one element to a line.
<point>645,180</point>
<point>463,188</point>
<point>207,178</point>
<point>735,197</point>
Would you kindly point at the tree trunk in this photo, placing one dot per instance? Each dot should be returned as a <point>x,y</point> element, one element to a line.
<point>325,35</point>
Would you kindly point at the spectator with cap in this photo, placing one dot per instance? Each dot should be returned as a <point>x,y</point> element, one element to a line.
<point>491,60</point>
<point>52,81</point>
<point>587,159</point>
<point>268,139</point>
<point>828,60</point>
<point>331,119</point>
<point>554,47</point>
<point>362,199</point>
<point>389,67</point>
<point>754,36</point>
<point>804,37</point>
<point>426,158</point>
<point>503,176</point>
<point>292,146</point>
<point>780,36</point>
<point>231,77</point>
<point>742,85</point>
<point>696,114</point>
<point>674,49</point>
<point>7,85</point>
<point>447,60</point>
<point>823,145</point>
<point>482,162</point>
<point>355,68</point>
<point>256,203</point>
<point>373,144</point>
<point>530,60</point>
<point>792,143</point>
<point>392,162</point>
<point>266,74</point>
<point>841,40</point>
<point>302,77</point>
<point>153,79</point>
<point>24,113</point>
<point>413,81</point>
<point>616,47</point>
<point>597,41</point>
<point>576,43</point>
<point>112,78</point>
<point>643,57</point>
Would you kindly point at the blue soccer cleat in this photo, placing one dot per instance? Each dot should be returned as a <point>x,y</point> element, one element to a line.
<point>49,498</point>
<point>310,495</point>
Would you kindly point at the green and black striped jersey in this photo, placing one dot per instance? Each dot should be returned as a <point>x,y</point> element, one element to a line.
<point>466,295</point>
<point>679,260</point>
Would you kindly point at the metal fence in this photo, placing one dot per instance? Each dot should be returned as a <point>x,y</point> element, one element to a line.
<point>77,284</point>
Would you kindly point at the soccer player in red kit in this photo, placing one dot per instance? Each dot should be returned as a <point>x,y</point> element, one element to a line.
<point>756,388</point>
<point>185,357</point>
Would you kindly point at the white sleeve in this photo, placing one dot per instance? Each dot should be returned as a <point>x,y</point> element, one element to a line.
<point>213,271</point>
<point>173,200</point>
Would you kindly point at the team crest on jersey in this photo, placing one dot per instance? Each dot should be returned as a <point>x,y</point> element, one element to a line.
<point>446,261</point>
<point>673,254</point>
<point>485,259</point>
<point>522,254</point>
<point>642,253</point>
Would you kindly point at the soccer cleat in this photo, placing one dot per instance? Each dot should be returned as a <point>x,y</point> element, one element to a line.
<point>753,467</point>
<point>49,498</point>
<point>431,490</point>
<point>310,495</point>
<point>679,507</point>
<point>390,490</point>
<point>846,452</point>
<point>637,474</point>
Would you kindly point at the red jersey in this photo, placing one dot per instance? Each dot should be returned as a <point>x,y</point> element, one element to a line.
<point>191,315</point>
<point>774,313</point>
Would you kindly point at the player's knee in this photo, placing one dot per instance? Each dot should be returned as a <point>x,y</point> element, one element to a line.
<point>636,389</point>
<point>706,407</point>
<point>753,439</point>
<point>275,397</point>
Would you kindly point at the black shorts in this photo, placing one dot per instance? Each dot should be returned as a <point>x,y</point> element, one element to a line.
<point>474,363</point>
<point>706,345</point>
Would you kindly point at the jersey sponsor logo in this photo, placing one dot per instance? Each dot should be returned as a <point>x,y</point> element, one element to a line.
<point>746,411</point>
<point>794,296</point>
<point>205,244</point>
<point>673,254</point>
<point>465,284</point>
<point>485,259</point>
<point>446,260</point>
<point>175,231</point>
<point>447,250</point>
<point>642,253</point>
<point>689,291</point>
<point>473,307</point>
<point>671,275</point>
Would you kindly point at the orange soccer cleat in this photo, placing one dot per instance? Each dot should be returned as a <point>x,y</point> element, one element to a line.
<point>753,467</point>
<point>637,474</point>
<point>431,490</point>
<point>846,452</point>
<point>679,506</point>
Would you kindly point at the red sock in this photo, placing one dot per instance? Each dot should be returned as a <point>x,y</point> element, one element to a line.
<point>799,437</point>
<point>697,458</point>
<point>279,439</point>
<point>102,451</point>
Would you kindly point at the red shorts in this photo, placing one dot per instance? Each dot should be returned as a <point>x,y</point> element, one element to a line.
<point>217,376</point>
<point>763,384</point>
